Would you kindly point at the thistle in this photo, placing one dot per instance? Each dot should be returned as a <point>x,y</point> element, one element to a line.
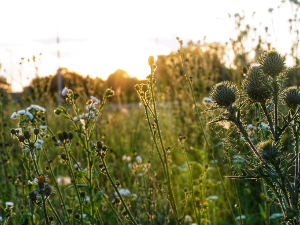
<point>224,93</point>
<point>272,63</point>
<point>268,150</point>
<point>291,97</point>
<point>254,86</point>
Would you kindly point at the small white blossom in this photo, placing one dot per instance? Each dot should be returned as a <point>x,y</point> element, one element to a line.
<point>90,106</point>
<point>14,115</point>
<point>94,99</point>
<point>123,192</point>
<point>207,99</point>
<point>129,165</point>
<point>36,108</point>
<point>40,141</point>
<point>83,215</point>
<point>187,218</point>
<point>276,215</point>
<point>43,127</point>
<point>39,146</point>
<point>250,126</point>
<point>126,158</point>
<point>0,218</point>
<point>134,195</point>
<point>264,125</point>
<point>21,112</point>
<point>9,203</point>
<point>29,114</point>
<point>77,164</point>
<point>212,198</point>
<point>139,159</point>
<point>64,91</point>
<point>242,216</point>
<point>75,119</point>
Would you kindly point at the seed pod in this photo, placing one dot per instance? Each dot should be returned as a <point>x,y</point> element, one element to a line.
<point>272,63</point>
<point>26,134</point>
<point>65,135</point>
<point>70,135</point>
<point>48,190</point>
<point>224,93</point>
<point>36,131</point>
<point>291,96</point>
<point>12,131</point>
<point>21,138</point>
<point>99,144</point>
<point>60,137</point>
<point>254,86</point>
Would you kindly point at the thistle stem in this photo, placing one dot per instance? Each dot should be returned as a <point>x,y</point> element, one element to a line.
<point>263,106</point>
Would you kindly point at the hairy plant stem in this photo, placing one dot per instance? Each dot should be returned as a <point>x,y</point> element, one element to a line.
<point>296,134</point>
<point>54,211</point>
<point>263,106</point>
<point>170,191</point>
<point>275,106</point>
<point>116,189</point>
<point>204,133</point>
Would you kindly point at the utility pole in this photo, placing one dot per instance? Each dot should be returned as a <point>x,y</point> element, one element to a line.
<point>59,86</point>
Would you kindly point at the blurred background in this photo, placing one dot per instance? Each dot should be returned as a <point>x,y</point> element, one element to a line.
<point>96,38</point>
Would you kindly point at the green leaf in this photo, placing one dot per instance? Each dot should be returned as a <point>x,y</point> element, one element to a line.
<point>97,199</point>
<point>262,211</point>
<point>65,116</point>
<point>80,174</point>
<point>81,141</point>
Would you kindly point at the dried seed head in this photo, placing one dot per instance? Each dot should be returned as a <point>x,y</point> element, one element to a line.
<point>291,96</point>
<point>254,87</point>
<point>268,150</point>
<point>48,190</point>
<point>224,93</point>
<point>272,63</point>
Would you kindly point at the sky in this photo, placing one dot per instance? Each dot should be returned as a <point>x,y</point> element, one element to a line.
<point>99,37</point>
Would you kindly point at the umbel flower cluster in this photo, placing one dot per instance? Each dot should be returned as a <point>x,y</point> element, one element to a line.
<point>263,89</point>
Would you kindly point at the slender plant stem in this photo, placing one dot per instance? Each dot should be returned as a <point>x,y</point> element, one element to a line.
<point>57,187</point>
<point>202,128</point>
<point>54,211</point>
<point>263,106</point>
<point>191,181</point>
<point>170,191</point>
<point>116,189</point>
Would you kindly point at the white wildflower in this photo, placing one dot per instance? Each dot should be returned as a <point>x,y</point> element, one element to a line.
<point>77,164</point>
<point>83,215</point>
<point>90,106</point>
<point>21,112</point>
<point>94,99</point>
<point>123,191</point>
<point>264,125</point>
<point>212,197</point>
<point>43,127</point>
<point>134,195</point>
<point>126,158</point>
<point>64,91</point>
<point>207,99</point>
<point>213,161</point>
<point>9,203</point>
<point>140,174</point>
<point>250,126</point>
<point>139,159</point>
<point>75,119</point>
<point>29,114</point>
<point>40,141</point>
<point>129,165</point>
<point>38,146</point>
<point>14,115</point>
<point>239,217</point>
<point>0,218</point>
<point>276,215</point>
<point>187,219</point>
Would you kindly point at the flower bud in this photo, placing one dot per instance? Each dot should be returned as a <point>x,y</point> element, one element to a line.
<point>224,93</point>
<point>272,63</point>
<point>291,96</point>
<point>268,150</point>
<point>13,131</point>
<point>99,144</point>
<point>57,111</point>
<point>254,86</point>
<point>65,135</point>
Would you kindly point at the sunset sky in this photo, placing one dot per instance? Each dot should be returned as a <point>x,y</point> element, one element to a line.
<point>99,37</point>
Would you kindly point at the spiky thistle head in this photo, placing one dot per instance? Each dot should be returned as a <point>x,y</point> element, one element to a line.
<point>268,150</point>
<point>272,63</point>
<point>291,97</point>
<point>254,86</point>
<point>224,93</point>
